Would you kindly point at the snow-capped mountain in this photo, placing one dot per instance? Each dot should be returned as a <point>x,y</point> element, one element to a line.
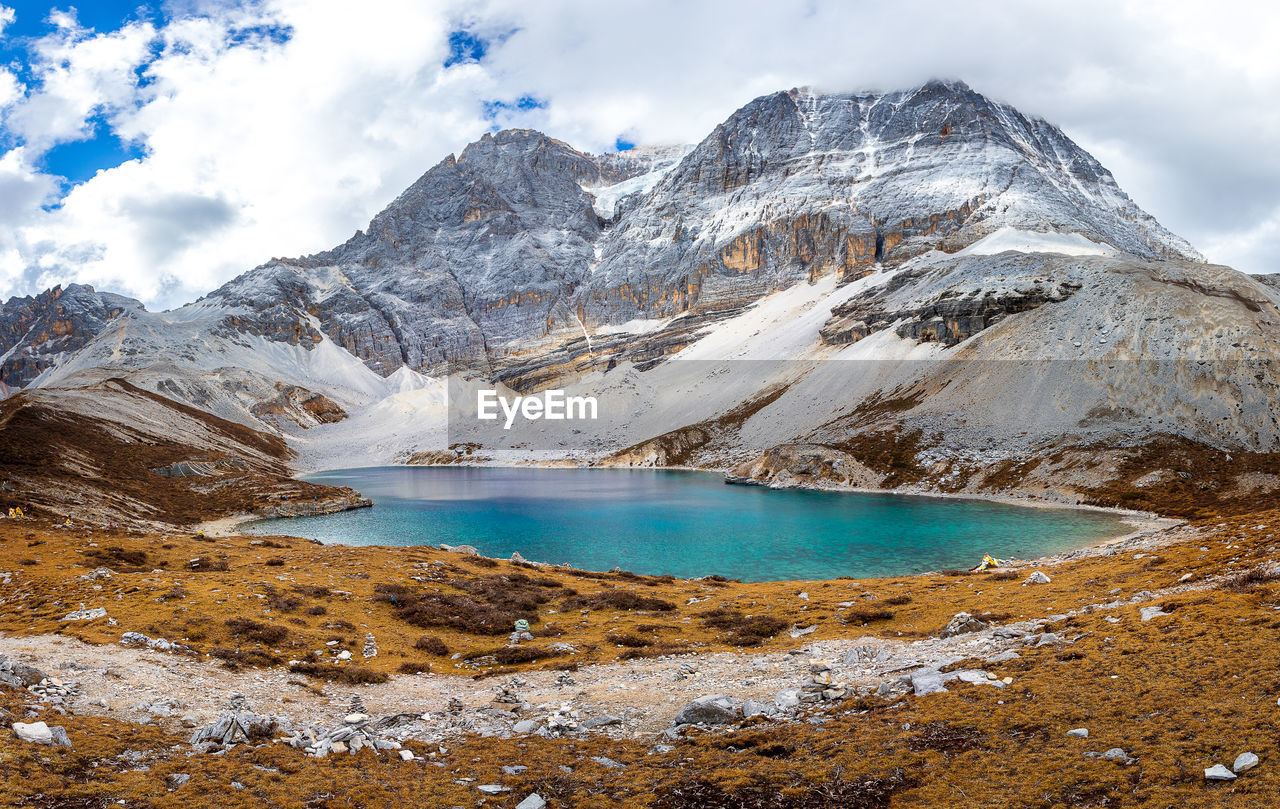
<point>910,228</point>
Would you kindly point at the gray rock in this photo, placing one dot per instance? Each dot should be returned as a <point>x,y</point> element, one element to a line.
<point>1244,762</point>
<point>961,624</point>
<point>1079,733</point>
<point>1003,657</point>
<point>534,801</point>
<point>1219,773</point>
<point>604,761</point>
<point>524,726</point>
<point>787,699</point>
<point>493,789</point>
<point>1117,754</point>
<point>930,681</point>
<point>41,733</point>
<point>1148,613</point>
<point>1048,639</point>
<point>713,709</point>
<point>178,779</point>
<point>752,708</point>
<point>1036,578</point>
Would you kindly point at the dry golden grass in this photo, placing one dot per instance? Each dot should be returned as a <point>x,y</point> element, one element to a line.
<point>1179,693</point>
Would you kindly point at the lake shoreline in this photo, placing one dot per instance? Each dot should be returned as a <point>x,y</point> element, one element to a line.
<point>1139,523</point>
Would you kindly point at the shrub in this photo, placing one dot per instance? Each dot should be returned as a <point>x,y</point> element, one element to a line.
<point>514,655</point>
<point>431,645</point>
<point>201,565</point>
<point>744,630</point>
<point>460,612</point>
<point>318,609</point>
<point>623,600</point>
<point>415,667</point>
<point>630,641</point>
<point>275,562</point>
<point>269,634</point>
<point>350,675</point>
<point>898,601</point>
<point>868,615</point>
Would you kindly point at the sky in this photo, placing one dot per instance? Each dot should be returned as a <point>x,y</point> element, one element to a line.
<point>158,148</point>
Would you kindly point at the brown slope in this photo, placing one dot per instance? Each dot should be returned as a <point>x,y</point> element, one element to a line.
<point>116,451</point>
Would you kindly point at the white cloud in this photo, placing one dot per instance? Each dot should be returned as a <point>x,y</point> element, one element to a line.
<point>283,148</point>
<point>7,15</point>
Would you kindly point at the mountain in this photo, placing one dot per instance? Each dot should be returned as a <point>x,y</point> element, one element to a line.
<point>853,278</point>
<point>36,333</point>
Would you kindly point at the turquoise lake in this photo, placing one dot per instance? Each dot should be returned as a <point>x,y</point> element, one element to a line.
<point>687,523</point>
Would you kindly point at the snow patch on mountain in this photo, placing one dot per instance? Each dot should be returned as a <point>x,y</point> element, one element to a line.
<point>1030,241</point>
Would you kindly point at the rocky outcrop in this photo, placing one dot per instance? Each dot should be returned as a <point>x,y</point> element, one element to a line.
<point>524,259</point>
<point>35,332</point>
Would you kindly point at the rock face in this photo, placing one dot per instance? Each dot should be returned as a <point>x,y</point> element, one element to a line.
<point>522,241</point>
<point>36,332</point>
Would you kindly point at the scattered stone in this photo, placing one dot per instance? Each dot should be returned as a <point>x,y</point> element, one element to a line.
<point>524,726</point>
<point>930,681</point>
<point>799,631</point>
<point>687,671</point>
<point>493,789</point>
<point>83,614</point>
<point>1219,773</point>
<point>178,779</point>
<point>534,801</point>
<point>406,755</point>
<point>752,708</point>
<point>1003,657</point>
<point>961,624</point>
<point>1152,612</point>
<point>19,675</point>
<point>1244,762</point>
<point>600,722</point>
<point>1079,733</point>
<point>787,699</point>
<point>1036,578</point>
<point>817,666</point>
<point>1117,754</point>
<point>713,709</point>
<point>605,761</point>
<point>41,733</point>
<point>1047,639</point>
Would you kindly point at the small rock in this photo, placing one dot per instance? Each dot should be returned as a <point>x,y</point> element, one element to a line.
<point>752,708</point>
<point>604,761</point>
<point>534,801</point>
<point>1152,612</point>
<point>1036,578</point>
<point>1117,754</point>
<point>1047,639</point>
<point>493,789</point>
<point>713,709</point>
<point>524,726</point>
<point>178,779</point>
<point>1244,762</point>
<point>406,755</point>
<point>1219,773</point>
<point>85,615</point>
<point>356,718</point>
<point>962,623</point>
<point>1079,733</point>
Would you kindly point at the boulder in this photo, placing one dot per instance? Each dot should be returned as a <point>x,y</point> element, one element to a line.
<point>962,623</point>
<point>1036,578</point>
<point>713,709</point>
<point>41,733</point>
<point>1244,762</point>
<point>1219,773</point>
<point>534,801</point>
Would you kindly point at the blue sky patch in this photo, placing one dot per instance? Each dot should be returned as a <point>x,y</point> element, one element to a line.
<point>465,47</point>
<point>623,145</point>
<point>79,160</point>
